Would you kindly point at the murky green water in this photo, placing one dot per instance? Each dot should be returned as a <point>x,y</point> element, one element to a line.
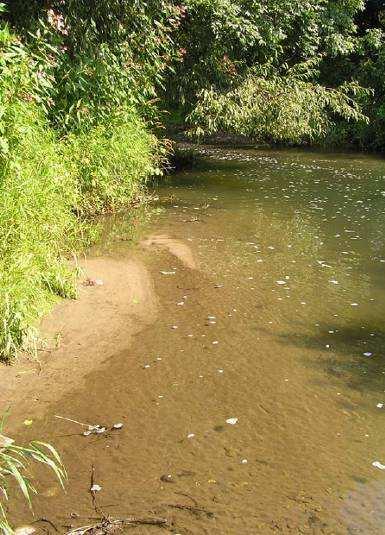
<point>297,241</point>
<point>305,234</point>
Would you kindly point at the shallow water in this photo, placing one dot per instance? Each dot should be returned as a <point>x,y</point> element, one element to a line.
<point>260,388</point>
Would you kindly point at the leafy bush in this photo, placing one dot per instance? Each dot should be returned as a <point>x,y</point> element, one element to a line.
<point>101,56</point>
<point>222,39</point>
<point>277,108</point>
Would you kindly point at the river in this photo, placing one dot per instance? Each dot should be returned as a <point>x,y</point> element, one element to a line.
<point>252,395</point>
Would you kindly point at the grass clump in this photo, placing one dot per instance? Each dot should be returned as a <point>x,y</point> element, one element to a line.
<point>112,162</point>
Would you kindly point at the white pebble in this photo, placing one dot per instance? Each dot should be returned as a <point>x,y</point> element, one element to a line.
<point>232,421</point>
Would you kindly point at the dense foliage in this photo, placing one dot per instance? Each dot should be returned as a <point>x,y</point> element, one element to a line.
<point>238,53</point>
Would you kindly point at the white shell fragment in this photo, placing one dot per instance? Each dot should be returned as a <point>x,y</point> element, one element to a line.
<point>232,421</point>
<point>95,488</point>
<point>378,465</point>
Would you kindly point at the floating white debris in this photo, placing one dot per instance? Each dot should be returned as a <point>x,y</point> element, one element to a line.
<point>354,304</point>
<point>281,283</point>
<point>215,342</point>
<point>117,426</point>
<point>191,435</point>
<point>380,405</point>
<point>94,430</point>
<point>244,461</point>
<point>232,421</point>
<point>167,272</point>
<point>333,281</point>
<point>95,488</point>
<point>368,354</point>
<point>378,465</point>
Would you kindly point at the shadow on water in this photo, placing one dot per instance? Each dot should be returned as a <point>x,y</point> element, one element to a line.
<point>351,353</point>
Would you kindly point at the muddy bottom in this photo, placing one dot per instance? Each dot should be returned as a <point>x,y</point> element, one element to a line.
<point>240,343</point>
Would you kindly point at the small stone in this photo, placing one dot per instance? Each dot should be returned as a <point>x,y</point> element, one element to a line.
<point>167,478</point>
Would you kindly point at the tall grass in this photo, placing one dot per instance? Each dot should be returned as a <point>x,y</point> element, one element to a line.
<point>37,192</point>
<point>43,183</point>
<point>15,461</point>
<point>112,162</point>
